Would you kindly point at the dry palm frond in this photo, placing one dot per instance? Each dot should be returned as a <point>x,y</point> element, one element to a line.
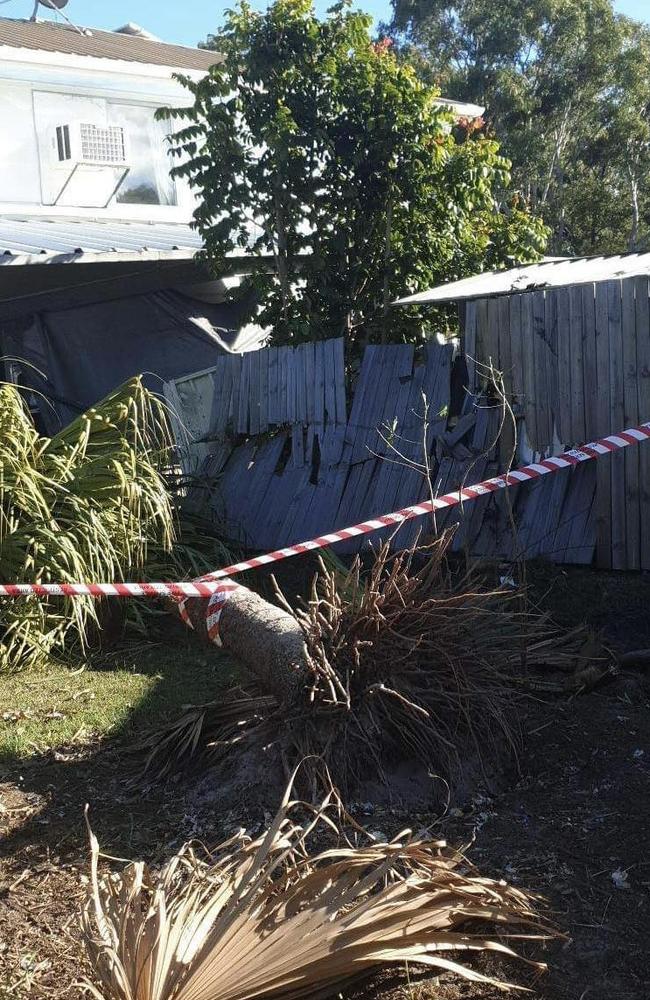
<point>268,918</point>
<point>208,731</point>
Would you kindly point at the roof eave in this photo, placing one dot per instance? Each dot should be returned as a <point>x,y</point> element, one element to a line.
<point>18,55</point>
<point>235,263</point>
<point>102,256</point>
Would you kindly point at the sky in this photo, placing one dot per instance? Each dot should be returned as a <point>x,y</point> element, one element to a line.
<point>189,21</point>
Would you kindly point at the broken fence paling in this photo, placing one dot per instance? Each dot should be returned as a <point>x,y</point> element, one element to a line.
<point>210,585</point>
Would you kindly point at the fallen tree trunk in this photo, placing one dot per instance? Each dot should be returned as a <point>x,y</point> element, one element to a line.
<point>402,663</point>
<point>268,641</point>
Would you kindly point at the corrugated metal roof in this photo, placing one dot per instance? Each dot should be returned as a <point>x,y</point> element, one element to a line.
<point>556,273</point>
<point>50,239</point>
<point>462,107</point>
<point>48,36</point>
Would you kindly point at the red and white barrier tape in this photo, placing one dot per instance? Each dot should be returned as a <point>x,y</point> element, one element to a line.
<point>213,611</point>
<point>208,585</point>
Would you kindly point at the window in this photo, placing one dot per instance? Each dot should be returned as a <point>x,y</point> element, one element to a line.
<point>148,181</point>
<point>96,152</point>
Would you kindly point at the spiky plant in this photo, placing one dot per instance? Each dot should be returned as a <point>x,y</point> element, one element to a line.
<point>89,504</point>
<point>271,918</point>
<point>410,661</point>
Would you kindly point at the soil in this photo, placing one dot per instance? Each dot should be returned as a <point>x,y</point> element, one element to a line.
<point>571,824</point>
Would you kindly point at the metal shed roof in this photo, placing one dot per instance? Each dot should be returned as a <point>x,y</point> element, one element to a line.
<point>42,241</point>
<point>48,36</point>
<point>553,273</point>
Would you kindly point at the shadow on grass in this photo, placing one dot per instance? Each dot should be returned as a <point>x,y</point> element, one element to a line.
<point>76,748</point>
<point>54,768</point>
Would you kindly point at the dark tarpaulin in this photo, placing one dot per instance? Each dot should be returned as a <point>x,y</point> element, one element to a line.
<point>85,352</point>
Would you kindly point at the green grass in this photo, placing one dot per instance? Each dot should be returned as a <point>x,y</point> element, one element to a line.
<point>117,697</point>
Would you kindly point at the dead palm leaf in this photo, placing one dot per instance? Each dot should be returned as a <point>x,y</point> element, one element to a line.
<point>267,918</point>
<point>208,731</point>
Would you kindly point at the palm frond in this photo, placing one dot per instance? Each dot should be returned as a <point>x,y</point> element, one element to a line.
<point>87,504</point>
<point>269,918</point>
<point>207,732</point>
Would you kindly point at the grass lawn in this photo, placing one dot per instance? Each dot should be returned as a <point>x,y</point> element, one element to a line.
<point>64,731</point>
<point>116,696</point>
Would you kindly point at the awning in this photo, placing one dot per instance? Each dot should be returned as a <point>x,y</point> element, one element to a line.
<point>550,273</point>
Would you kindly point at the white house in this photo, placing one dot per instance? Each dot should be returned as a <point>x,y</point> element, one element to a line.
<point>98,279</point>
<point>80,139</point>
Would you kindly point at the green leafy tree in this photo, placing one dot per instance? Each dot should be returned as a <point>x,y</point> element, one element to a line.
<point>313,145</point>
<point>626,127</point>
<point>555,76</point>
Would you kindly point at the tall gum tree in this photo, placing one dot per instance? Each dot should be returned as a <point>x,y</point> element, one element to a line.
<point>565,87</point>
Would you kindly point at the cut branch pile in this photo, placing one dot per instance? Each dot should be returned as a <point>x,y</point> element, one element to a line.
<point>271,918</point>
<point>404,663</point>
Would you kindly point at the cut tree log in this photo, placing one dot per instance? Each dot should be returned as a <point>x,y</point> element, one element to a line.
<point>267,640</point>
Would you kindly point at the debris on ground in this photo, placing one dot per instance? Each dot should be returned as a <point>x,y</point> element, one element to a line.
<point>404,662</point>
<point>273,916</point>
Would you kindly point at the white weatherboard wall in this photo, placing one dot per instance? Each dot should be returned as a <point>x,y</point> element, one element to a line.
<point>20,180</point>
<point>25,76</point>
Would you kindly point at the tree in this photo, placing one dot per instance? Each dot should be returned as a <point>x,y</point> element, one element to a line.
<point>626,122</point>
<point>563,84</point>
<point>316,146</point>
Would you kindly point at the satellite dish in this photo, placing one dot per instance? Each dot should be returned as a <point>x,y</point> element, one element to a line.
<point>53,4</point>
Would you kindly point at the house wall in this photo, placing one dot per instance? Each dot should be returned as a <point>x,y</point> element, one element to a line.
<point>24,74</point>
<point>18,146</point>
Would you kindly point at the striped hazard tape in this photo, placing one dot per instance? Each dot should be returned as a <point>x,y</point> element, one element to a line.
<point>213,611</point>
<point>209,585</point>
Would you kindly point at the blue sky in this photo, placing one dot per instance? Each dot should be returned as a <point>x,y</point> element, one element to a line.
<point>189,21</point>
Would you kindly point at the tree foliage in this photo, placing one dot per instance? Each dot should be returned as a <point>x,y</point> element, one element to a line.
<point>315,146</point>
<point>566,84</point>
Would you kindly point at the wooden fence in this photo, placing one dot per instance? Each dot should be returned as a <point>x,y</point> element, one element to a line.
<point>282,460</point>
<point>576,365</point>
<point>282,457</point>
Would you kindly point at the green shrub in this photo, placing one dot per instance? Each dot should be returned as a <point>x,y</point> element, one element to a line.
<point>89,504</point>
